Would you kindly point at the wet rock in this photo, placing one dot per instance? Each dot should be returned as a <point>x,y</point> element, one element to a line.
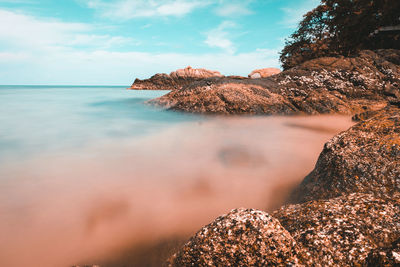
<point>324,85</point>
<point>386,256</point>
<point>175,80</point>
<point>264,73</point>
<point>365,158</point>
<point>342,231</point>
<point>244,237</point>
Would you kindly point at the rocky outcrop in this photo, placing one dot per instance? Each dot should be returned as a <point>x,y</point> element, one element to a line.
<point>326,85</point>
<point>175,80</point>
<point>263,73</point>
<point>342,231</point>
<point>244,237</point>
<point>385,256</point>
<point>365,158</point>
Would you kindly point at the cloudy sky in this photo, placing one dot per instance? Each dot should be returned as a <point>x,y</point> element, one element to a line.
<point>111,42</point>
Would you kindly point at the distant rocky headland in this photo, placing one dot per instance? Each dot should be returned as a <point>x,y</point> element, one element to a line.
<point>175,80</point>
<point>346,212</point>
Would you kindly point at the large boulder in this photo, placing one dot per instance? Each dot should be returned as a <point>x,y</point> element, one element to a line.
<point>175,80</point>
<point>365,158</point>
<point>244,237</point>
<point>343,231</point>
<point>264,73</point>
<point>367,81</point>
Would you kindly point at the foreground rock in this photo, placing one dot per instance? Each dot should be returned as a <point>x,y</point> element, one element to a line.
<point>325,85</point>
<point>241,238</point>
<point>343,231</point>
<point>175,80</point>
<point>365,158</point>
<point>386,256</point>
<point>264,73</point>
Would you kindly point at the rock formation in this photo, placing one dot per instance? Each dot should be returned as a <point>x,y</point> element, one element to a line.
<point>264,73</point>
<point>365,158</point>
<point>342,231</point>
<point>325,85</point>
<point>175,80</point>
<point>385,256</point>
<point>244,237</point>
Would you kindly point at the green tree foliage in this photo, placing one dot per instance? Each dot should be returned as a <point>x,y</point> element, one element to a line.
<point>343,27</point>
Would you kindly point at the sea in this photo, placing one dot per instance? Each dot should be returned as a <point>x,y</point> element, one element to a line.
<point>95,175</point>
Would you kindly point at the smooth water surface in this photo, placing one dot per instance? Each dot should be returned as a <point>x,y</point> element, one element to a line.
<point>92,175</point>
<point>34,119</point>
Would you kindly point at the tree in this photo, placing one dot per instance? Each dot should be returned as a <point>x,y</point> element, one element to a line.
<point>343,27</point>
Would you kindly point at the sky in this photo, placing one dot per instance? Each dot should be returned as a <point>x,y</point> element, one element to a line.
<point>112,42</point>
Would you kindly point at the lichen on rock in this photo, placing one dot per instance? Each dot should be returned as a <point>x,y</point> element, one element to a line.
<point>244,237</point>
<point>342,231</point>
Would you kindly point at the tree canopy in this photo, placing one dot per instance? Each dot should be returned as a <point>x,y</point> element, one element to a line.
<point>343,27</point>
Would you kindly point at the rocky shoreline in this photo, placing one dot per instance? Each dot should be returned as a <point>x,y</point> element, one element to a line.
<point>343,214</point>
<point>341,85</point>
<point>347,210</point>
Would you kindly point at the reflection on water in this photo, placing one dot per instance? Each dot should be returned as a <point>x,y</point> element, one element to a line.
<point>135,196</point>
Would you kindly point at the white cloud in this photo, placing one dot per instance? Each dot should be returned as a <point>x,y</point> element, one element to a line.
<point>21,31</point>
<point>218,37</point>
<point>48,51</point>
<point>233,8</point>
<point>128,9</point>
<point>293,15</point>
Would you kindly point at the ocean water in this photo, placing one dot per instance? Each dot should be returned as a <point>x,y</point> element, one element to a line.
<point>35,119</point>
<point>93,175</point>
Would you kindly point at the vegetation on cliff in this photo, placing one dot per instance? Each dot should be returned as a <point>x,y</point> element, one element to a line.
<point>343,27</point>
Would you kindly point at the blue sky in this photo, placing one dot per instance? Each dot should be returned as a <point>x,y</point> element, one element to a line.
<point>100,42</point>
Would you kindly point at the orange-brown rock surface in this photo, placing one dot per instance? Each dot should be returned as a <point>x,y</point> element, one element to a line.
<point>365,158</point>
<point>175,80</point>
<point>367,81</point>
<point>244,237</point>
<point>263,73</point>
<point>342,231</point>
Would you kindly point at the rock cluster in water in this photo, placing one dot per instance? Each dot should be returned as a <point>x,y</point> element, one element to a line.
<point>325,85</point>
<point>175,80</point>
<point>346,212</point>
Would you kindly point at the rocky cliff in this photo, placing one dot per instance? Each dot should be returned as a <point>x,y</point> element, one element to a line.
<point>367,81</point>
<point>175,80</point>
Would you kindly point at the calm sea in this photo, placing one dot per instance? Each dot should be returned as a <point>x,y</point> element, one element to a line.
<point>37,119</point>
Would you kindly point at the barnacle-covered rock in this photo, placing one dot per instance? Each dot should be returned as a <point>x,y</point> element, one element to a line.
<point>244,237</point>
<point>384,257</point>
<point>342,231</point>
<point>343,85</point>
<point>365,158</point>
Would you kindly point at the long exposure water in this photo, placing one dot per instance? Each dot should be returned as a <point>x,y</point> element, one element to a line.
<point>94,175</point>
